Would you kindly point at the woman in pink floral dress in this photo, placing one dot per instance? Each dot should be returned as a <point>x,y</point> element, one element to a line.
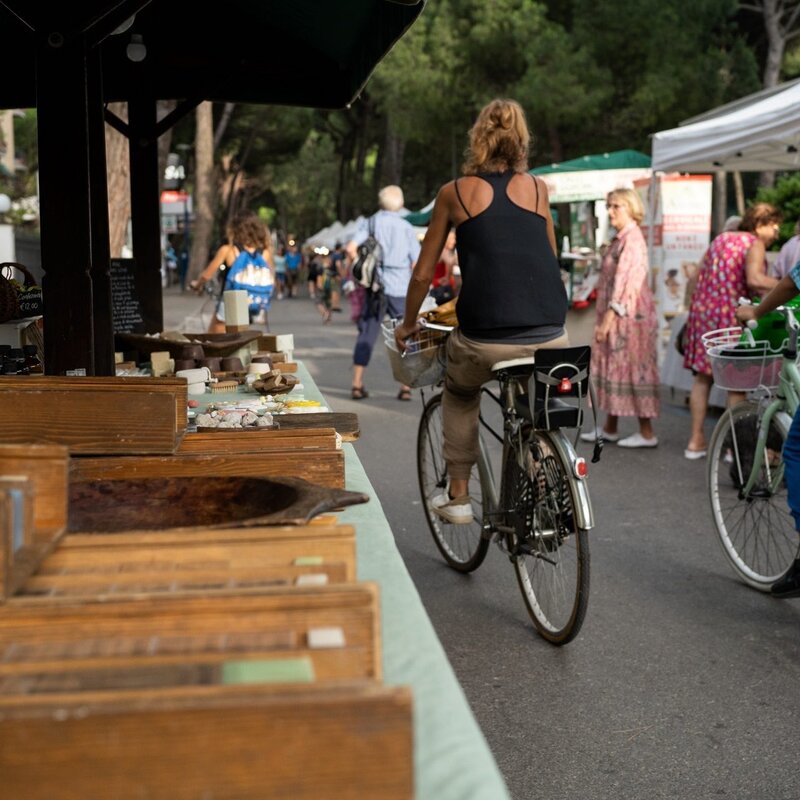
<point>734,266</point>
<point>624,357</point>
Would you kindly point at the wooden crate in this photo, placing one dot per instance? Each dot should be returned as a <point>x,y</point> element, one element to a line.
<point>36,475</point>
<point>95,415</point>
<point>57,635</point>
<point>323,467</point>
<point>309,439</point>
<point>309,453</point>
<point>151,563</point>
<point>348,742</point>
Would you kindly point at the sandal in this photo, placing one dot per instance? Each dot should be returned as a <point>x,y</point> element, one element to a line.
<point>359,393</point>
<point>404,394</point>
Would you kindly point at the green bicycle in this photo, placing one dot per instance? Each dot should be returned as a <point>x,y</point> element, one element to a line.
<point>746,482</point>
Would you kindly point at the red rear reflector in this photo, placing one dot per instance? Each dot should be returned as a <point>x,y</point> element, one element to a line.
<point>580,468</point>
<point>565,386</point>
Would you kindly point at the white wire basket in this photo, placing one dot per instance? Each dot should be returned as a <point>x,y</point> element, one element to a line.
<point>424,361</point>
<point>742,364</point>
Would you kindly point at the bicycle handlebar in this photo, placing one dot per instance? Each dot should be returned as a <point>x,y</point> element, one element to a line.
<point>788,312</point>
<point>435,326</point>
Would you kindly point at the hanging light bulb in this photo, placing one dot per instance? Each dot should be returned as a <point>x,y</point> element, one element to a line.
<point>136,50</point>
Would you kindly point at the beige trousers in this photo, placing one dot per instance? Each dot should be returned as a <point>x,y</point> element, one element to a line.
<point>469,366</point>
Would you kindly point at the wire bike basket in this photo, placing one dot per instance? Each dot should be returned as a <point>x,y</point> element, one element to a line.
<point>739,363</point>
<point>424,361</point>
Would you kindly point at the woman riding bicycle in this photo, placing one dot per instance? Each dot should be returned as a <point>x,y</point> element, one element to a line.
<point>786,289</point>
<point>512,300</point>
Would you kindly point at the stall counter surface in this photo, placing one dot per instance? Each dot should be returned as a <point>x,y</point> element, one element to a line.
<point>452,760</point>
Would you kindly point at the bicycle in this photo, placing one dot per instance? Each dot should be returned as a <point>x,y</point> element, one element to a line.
<point>747,489</point>
<point>540,513</point>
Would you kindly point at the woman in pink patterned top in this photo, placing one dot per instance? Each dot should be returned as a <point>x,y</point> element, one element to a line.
<point>624,357</point>
<point>734,266</point>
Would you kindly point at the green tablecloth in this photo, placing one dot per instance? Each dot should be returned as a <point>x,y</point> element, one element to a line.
<point>452,759</point>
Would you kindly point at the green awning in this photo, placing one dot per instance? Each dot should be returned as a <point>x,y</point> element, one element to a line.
<point>621,159</point>
<point>419,218</point>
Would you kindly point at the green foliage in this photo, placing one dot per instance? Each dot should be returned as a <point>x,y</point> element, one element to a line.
<point>667,64</point>
<point>785,195</point>
<point>304,188</point>
<point>591,76</point>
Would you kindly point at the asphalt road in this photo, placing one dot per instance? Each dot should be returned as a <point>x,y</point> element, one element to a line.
<point>683,683</point>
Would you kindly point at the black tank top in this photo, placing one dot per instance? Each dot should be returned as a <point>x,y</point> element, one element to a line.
<point>511,282</point>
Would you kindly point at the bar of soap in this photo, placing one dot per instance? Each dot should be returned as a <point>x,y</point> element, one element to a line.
<point>275,342</point>
<point>237,307</point>
<point>312,579</point>
<point>277,670</point>
<point>325,638</point>
<point>308,561</point>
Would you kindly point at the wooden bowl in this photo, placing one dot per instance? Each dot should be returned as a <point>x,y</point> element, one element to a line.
<point>115,506</point>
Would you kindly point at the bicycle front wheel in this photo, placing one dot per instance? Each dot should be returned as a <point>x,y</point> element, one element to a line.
<point>463,546</point>
<point>756,530</point>
<point>550,553</point>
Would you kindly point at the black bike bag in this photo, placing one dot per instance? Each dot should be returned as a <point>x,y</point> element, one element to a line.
<point>557,387</point>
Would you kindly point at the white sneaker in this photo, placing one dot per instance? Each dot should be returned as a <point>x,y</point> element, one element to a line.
<point>590,436</point>
<point>637,440</point>
<point>695,455</point>
<point>458,510</point>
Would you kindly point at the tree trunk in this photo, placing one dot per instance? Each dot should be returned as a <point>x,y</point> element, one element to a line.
<point>393,162</point>
<point>203,189</point>
<point>344,200</point>
<point>377,173</point>
<point>165,140</point>
<point>342,205</point>
<point>222,125</point>
<point>738,188</point>
<point>772,11</point>
<point>119,182</point>
<point>556,148</point>
<point>720,201</point>
<point>776,41</point>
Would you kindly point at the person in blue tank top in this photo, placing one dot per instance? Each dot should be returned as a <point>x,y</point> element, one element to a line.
<point>512,300</point>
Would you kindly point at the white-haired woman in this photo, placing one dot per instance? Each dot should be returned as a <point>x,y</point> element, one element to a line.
<point>624,356</point>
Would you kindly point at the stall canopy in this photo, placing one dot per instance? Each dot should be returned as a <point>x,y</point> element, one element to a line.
<point>421,217</point>
<point>757,132</point>
<point>592,177</point>
<point>585,178</point>
<point>68,60</point>
<point>620,159</point>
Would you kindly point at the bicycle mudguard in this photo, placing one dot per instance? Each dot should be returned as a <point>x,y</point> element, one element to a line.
<point>584,516</point>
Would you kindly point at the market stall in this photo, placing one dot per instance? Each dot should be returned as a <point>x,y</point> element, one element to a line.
<point>580,186</point>
<point>177,635</point>
<point>758,132</point>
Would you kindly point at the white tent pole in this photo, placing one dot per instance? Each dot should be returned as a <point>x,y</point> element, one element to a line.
<point>651,227</point>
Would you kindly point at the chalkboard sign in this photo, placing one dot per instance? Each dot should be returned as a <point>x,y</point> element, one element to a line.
<point>125,298</point>
<point>30,302</point>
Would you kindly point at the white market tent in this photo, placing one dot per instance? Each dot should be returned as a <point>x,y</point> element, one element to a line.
<point>327,237</point>
<point>758,132</point>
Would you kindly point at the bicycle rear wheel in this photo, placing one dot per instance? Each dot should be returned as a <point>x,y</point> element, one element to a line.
<point>463,546</point>
<point>550,553</point>
<point>757,532</point>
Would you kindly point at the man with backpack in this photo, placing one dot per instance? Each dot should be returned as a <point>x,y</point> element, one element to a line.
<point>386,294</point>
